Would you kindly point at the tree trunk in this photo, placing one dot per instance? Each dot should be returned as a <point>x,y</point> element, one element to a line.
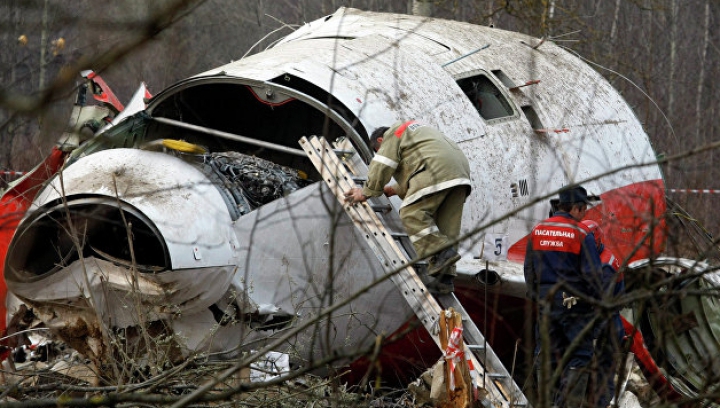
<point>699,134</point>
<point>490,13</point>
<point>701,74</point>
<point>260,11</point>
<point>546,18</point>
<point>613,29</point>
<point>673,57</point>
<point>423,8</point>
<point>43,46</point>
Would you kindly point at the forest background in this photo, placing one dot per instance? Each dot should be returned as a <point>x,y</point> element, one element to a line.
<point>662,55</point>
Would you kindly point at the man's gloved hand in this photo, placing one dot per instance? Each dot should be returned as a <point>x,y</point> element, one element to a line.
<point>569,301</point>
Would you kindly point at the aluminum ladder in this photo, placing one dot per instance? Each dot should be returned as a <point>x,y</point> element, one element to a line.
<point>393,249</point>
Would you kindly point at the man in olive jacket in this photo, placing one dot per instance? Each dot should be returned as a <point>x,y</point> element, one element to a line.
<point>433,179</point>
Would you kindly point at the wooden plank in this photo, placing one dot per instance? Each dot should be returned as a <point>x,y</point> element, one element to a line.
<point>489,360</point>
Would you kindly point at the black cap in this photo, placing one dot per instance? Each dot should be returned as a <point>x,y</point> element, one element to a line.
<point>575,195</point>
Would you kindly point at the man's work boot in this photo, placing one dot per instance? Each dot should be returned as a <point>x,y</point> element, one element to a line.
<point>426,279</point>
<point>442,285</point>
<point>443,260</point>
<point>573,388</point>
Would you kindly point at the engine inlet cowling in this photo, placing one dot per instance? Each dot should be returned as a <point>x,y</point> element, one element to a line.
<point>60,234</point>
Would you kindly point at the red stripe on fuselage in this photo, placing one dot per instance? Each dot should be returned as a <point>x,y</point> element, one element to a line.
<point>13,205</point>
<point>630,216</point>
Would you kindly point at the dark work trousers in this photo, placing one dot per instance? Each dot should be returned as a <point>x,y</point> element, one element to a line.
<point>610,336</point>
<point>434,221</point>
<point>564,327</point>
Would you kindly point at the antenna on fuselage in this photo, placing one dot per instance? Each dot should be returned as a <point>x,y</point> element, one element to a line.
<point>465,55</point>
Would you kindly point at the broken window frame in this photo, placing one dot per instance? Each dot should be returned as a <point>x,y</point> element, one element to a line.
<point>502,95</point>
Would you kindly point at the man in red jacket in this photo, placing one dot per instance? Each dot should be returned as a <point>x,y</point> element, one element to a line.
<point>561,273</point>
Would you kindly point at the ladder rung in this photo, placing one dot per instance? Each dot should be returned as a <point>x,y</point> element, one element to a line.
<point>474,347</point>
<point>496,376</point>
<point>383,208</point>
<point>344,153</point>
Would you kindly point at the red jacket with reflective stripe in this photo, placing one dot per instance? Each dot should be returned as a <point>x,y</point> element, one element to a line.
<point>560,250</point>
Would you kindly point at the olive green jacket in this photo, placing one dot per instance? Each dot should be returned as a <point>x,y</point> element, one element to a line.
<point>422,160</point>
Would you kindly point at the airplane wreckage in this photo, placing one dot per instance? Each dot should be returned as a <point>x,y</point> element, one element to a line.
<point>197,213</point>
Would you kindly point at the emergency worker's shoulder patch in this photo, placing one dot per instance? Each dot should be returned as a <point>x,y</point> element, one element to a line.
<point>399,132</point>
<point>414,126</point>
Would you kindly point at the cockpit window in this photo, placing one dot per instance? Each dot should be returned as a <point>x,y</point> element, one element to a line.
<point>485,97</point>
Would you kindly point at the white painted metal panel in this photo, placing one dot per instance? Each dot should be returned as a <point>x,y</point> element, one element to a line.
<point>186,208</point>
<point>603,132</point>
<point>382,83</point>
<point>316,252</point>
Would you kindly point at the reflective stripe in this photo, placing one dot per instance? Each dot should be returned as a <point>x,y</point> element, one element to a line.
<point>434,189</point>
<point>402,128</point>
<point>565,225</point>
<point>559,235</point>
<point>427,231</point>
<point>386,161</point>
<point>610,259</point>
